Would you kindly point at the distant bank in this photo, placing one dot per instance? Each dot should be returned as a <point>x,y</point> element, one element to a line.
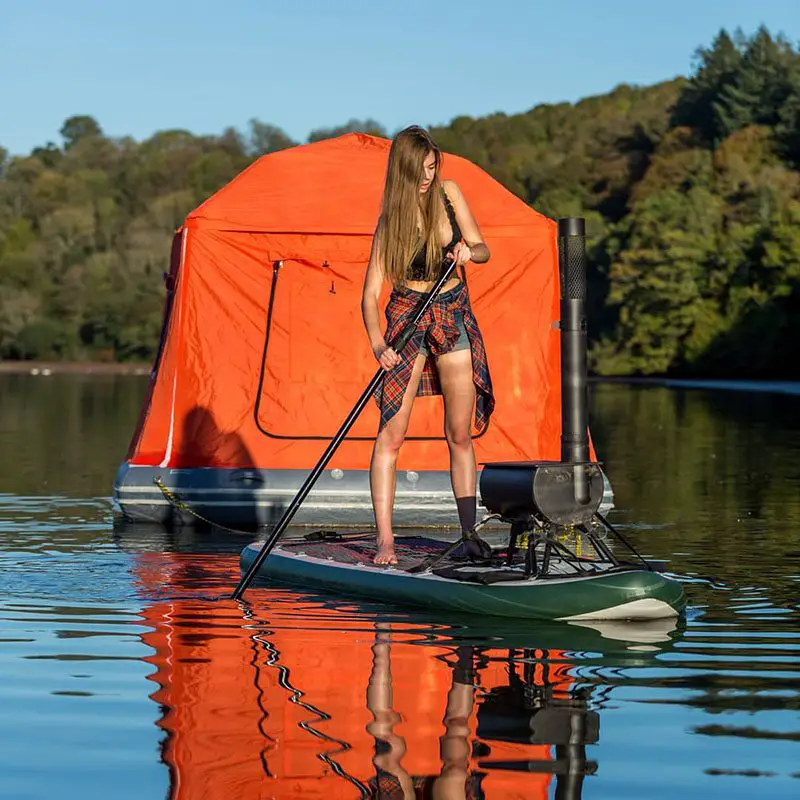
<point>74,368</point>
<point>125,368</point>
<point>782,387</point>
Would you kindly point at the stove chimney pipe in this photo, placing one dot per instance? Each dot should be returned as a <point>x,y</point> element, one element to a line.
<point>574,399</point>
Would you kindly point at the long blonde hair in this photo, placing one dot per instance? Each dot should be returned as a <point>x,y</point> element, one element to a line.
<point>398,230</point>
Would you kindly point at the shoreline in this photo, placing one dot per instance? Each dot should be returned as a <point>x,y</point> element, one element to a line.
<point>45,368</point>
<point>73,368</point>
<point>789,387</point>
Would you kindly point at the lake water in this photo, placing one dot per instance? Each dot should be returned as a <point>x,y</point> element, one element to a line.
<point>125,671</point>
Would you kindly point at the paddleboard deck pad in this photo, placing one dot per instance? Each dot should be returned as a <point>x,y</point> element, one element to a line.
<point>571,589</point>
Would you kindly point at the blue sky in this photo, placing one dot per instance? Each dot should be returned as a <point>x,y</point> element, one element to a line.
<point>143,66</point>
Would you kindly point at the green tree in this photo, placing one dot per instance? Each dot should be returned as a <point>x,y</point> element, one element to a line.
<point>658,280</point>
<point>264,139</point>
<point>788,127</point>
<point>77,128</point>
<point>714,69</point>
<point>369,126</point>
<point>757,89</point>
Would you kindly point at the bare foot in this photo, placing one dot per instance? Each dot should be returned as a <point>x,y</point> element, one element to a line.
<point>385,554</point>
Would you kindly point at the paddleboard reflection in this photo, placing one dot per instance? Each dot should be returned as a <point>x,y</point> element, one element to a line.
<point>295,694</point>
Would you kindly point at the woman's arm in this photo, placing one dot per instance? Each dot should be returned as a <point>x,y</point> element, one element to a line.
<point>373,283</point>
<point>466,221</point>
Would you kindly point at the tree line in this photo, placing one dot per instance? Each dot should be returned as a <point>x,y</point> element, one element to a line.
<point>690,188</point>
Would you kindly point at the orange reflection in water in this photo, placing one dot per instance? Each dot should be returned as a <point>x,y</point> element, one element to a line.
<point>289,698</point>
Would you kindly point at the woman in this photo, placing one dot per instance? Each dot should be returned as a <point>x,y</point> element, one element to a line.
<point>425,223</point>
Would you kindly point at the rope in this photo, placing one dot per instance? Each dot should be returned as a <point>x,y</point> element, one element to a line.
<point>175,501</point>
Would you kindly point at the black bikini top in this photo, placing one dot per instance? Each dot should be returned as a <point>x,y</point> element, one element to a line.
<point>416,270</point>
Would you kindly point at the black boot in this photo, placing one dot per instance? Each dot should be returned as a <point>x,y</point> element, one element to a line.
<point>472,548</point>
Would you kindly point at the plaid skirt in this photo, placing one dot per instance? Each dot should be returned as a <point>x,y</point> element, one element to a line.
<point>439,330</point>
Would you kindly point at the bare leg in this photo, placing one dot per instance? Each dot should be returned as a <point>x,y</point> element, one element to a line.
<point>458,389</point>
<point>383,467</point>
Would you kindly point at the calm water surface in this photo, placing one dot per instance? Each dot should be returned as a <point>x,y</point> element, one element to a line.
<point>125,671</point>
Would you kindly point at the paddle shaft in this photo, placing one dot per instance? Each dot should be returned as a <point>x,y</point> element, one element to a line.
<point>399,343</point>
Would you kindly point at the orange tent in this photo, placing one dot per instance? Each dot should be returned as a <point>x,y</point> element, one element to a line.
<point>264,352</point>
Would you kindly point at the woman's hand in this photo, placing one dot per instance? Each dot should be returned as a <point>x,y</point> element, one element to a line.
<point>461,253</point>
<point>386,357</point>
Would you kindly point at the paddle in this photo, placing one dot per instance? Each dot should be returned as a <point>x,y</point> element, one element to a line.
<point>399,343</point>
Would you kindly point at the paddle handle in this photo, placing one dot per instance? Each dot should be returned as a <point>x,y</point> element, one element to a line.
<point>399,343</point>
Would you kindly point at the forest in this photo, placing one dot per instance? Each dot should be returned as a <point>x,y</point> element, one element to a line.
<point>690,188</point>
